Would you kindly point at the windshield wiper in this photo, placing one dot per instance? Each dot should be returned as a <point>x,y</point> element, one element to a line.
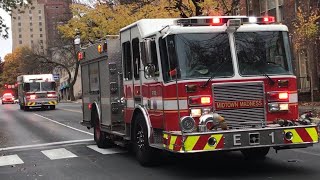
<point>213,75</point>
<point>271,81</point>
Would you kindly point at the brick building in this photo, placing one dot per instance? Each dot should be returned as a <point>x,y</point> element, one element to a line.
<point>306,65</point>
<point>36,26</point>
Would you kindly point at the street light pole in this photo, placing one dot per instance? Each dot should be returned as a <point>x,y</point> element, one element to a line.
<point>277,11</point>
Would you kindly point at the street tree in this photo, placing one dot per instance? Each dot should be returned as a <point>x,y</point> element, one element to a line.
<point>62,55</point>
<point>305,33</point>
<point>8,6</point>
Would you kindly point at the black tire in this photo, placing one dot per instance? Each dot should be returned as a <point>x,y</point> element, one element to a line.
<point>144,153</point>
<point>256,153</point>
<point>53,107</point>
<point>100,137</point>
<point>26,108</point>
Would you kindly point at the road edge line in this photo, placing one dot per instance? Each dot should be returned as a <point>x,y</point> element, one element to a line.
<point>63,124</point>
<point>45,144</point>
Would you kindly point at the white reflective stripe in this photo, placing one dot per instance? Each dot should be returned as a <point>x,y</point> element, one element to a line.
<point>167,104</point>
<point>130,103</point>
<point>86,100</point>
<point>173,105</point>
<point>105,100</point>
<point>293,98</point>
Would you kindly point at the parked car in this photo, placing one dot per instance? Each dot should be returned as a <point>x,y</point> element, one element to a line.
<point>16,101</point>
<point>7,98</point>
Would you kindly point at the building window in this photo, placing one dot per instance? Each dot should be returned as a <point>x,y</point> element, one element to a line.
<point>40,29</point>
<point>30,12</point>
<point>40,23</point>
<point>41,47</point>
<point>19,29</point>
<point>39,11</point>
<point>19,24</point>
<point>19,17</point>
<point>31,30</point>
<point>30,18</point>
<point>20,41</point>
<point>40,35</point>
<point>30,23</point>
<point>41,41</point>
<point>31,35</point>
<point>20,36</point>
<point>31,41</point>
<point>39,17</point>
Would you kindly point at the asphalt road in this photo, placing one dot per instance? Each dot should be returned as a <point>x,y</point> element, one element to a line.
<point>52,145</point>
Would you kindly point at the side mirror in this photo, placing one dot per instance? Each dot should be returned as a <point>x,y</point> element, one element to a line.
<point>145,51</point>
<point>149,71</point>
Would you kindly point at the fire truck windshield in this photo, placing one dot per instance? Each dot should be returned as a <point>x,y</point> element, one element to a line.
<point>39,86</point>
<point>262,53</point>
<point>196,56</point>
<point>47,86</point>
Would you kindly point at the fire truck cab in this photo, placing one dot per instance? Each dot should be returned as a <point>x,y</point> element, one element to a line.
<point>37,91</point>
<point>196,84</point>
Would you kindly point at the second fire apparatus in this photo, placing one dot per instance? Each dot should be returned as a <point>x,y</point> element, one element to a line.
<point>194,85</point>
<point>37,90</point>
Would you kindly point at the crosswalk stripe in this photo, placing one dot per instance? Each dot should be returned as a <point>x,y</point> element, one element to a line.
<point>106,151</point>
<point>10,160</point>
<point>60,153</point>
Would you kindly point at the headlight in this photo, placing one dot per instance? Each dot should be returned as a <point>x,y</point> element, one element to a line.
<point>277,107</point>
<point>196,112</point>
<point>187,124</point>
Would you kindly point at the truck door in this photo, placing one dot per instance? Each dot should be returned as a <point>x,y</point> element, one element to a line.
<point>127,75</point>
<point>152,87</point>
<point>137,95</point>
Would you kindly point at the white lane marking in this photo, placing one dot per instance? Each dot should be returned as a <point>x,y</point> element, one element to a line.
<point>306,152</point>
<point>71,110</point>
<point>60,153</point>
<point>10,160</point>
<point>45,144</point>
<point>106,151</point>
<point>63,124</point>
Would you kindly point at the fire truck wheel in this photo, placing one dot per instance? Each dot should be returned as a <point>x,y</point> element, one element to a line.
<point>100,137</point>
<point>26,108</point>
<point>144,152</point>
<point>256,153</point>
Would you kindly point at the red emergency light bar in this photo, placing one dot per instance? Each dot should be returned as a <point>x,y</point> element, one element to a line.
<point>218,21</point>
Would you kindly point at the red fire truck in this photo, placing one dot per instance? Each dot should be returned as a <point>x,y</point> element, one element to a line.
<point>194,85</point>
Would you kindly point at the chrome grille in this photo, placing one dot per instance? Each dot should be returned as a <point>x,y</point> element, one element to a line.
<point>240,118</point>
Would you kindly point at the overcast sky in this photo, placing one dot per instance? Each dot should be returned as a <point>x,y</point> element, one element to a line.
<point>5,45</point>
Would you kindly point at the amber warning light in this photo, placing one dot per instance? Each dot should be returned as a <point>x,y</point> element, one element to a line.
<point>102,47</point>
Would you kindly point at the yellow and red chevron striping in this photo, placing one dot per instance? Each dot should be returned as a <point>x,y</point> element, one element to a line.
<point>192,143</point>
<point>301,135</point>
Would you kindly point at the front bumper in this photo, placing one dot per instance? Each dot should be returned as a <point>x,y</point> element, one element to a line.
<point>302,136</point>
<point>39,103</point>
<point>7,101</point>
